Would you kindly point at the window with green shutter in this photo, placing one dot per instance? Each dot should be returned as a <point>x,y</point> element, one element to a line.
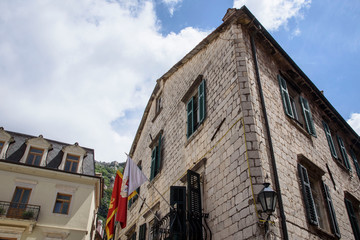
<point>293,102</point>
<point>331,211</point>
<point>142,232</point>
<point>196,108</point>
<point>346,161</point>
<point>307,116</point>
<point>318,203</point>
<point>285,96</point>
<point>329,139</point>
<point>356,163</point>
<point>156,156</point>
<point>353,217</point>
<point>308,197</point>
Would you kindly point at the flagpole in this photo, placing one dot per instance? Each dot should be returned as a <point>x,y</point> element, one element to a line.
<point>148,207</point>
<point>156,189</point>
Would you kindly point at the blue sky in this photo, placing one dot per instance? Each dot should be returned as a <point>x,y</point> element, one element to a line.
<point>83,71</point>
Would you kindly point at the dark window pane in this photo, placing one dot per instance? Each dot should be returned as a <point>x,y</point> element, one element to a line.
<point>73,157</point>
<point>37,160</point>
<point>74,167</point>
<point>34,150</point>
<point>65,208</point>
<point>25,196</point>
<point>57,207</point>
<point>64,197</point>
<point>67,166</point>
<point>17,195</point>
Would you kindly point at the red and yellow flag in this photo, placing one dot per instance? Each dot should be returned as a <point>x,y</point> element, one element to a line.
<point>114,205</point>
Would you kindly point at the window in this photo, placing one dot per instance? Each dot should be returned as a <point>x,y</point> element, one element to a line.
<point>62,203</point>
<point>292,101</point>
<point>330,140</point>
<point>158,105</point>
<point>196,109</point>
<point>19,202</point>
<point>142,232</point>
<point>319,208</point>
<point>356,163</point>
<point>352,208</point>
<point>72,163</point>
<point>155,156</point>
<point>343,153</point>
<point>344,160</point>
<point>154,232</point>
<point>34,156</point>
<point>132,236</point>
<point>178,198</point>
<point>1,145</point>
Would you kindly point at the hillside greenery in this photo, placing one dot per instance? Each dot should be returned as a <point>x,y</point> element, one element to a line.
<point>108,171</point>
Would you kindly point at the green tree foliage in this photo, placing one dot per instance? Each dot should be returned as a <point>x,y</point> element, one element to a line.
<point>108,171</point>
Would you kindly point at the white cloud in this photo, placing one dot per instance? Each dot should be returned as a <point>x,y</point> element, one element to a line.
<point>71,70</point>
<point>274,13</point>
<point>172,4</point>
<point>354,122</point>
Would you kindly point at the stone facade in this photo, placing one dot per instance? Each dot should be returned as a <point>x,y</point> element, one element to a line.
<point>231,148</point>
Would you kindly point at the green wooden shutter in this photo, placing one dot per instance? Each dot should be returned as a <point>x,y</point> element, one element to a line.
<point>285,97</point>
<point>356,163</point>
<point>190,117</point>
<point>158,158</point>
<point>331,210</point>
<point>353,219</point>
<point>142,232</point>
<point>329,139</point>
<point>153,161</point>
<point>194,205</point>
<point>307,116</point>
<point>308,198</point>
<point>343,152</point>
<point>202,101</point>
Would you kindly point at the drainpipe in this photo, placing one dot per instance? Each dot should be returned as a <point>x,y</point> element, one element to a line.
<point>272,155</point>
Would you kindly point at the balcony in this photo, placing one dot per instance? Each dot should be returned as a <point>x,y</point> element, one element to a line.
<point>18,214</point>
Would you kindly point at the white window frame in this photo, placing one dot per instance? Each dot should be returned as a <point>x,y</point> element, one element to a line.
<point>73,150</point>
<point>39,143</point>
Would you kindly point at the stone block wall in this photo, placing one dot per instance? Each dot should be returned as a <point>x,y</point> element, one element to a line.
<point>226,190</point>
<point>291,140</point>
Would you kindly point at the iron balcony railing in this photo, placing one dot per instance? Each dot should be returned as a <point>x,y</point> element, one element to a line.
<point>19,211</point>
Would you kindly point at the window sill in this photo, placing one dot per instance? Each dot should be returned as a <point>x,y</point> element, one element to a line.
<point>341,165</point>
<point>156,115</point>
<point>324,233</point>
<point>195,133</point>
<point>154,180</point>
<point>299,126</point>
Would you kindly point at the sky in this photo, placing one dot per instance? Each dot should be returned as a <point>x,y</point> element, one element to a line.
<point>83,71</point>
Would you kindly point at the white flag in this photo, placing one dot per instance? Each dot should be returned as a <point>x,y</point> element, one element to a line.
<point>133,175</point>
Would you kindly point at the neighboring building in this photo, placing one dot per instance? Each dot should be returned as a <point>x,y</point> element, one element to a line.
<point>238,112</point>
<point>49,189</point>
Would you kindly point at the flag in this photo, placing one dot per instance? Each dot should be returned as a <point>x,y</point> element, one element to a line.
<point>133,178</point>
<point>113,206</point>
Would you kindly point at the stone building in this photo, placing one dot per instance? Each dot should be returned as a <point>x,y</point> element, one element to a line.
<point>234,113</point>
<point>49,190</point>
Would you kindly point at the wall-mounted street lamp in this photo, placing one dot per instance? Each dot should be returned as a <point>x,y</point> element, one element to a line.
<point>267,198</point>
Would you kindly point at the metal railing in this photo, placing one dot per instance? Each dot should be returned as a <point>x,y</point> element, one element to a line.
<point>19,211</point>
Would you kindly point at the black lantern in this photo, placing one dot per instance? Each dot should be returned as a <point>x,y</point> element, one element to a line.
<point>267,198</point>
